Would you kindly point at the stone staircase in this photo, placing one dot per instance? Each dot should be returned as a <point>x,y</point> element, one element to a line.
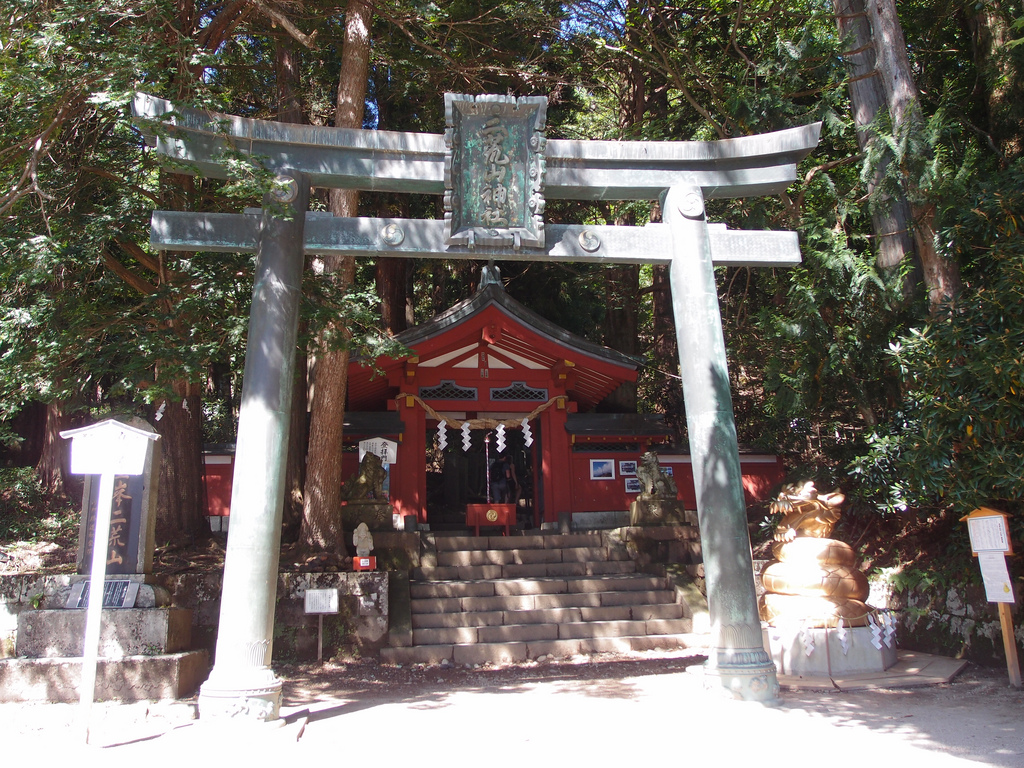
<point>498,599</point>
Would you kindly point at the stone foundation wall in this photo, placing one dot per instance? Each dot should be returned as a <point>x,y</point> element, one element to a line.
<point>954,621</point>
<point>360,628</point>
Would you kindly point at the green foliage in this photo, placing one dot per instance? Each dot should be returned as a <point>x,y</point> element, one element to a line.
<point>959,438</point>
<point>29,514</point>
<point>830,364</point>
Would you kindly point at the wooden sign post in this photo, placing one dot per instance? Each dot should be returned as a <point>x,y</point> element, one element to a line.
<point>106,449</point>
<point>989,530</point>
<point>321,601</point>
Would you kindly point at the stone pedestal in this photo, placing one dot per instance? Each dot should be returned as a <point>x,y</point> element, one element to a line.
<point>818,652</point>
<point>376,514</point>
<point>144,654</point>
<point>132,678</point>
<point>123,632</point>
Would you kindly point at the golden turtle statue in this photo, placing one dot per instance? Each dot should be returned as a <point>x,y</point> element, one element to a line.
<point>814,580</point>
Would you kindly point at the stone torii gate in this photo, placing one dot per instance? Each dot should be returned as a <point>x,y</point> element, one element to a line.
<point>494,167</point>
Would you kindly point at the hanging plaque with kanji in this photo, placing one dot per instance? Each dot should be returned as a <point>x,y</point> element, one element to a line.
<point>494,170</point>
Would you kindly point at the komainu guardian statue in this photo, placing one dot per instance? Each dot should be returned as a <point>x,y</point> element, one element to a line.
<point>368,482</point>
<point>814,580</point>
<point>657,503</point>
<point>364,499</point>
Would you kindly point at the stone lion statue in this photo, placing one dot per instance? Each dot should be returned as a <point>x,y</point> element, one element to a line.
<point>655,482</point>
<point>368,482</point>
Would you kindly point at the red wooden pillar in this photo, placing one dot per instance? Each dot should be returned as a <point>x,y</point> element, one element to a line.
<point>409,474</point>
<point>556,463</point>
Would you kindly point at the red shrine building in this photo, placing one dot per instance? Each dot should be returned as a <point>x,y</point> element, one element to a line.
<point>490,361</point>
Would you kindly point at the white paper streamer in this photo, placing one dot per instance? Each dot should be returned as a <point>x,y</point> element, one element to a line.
<point>876,631</point>
<point>890,628</point>
<point>500,442</point>
<point>467,439</point>
<point>807,638</point>
<point>844,636</point>
<point>527,434</point>
<point>442,435</point>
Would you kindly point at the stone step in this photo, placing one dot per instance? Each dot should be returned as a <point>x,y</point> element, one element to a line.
<point>506,652</point>
<point>551,541</point>
<point>464,557</point>
<point>534,586</point>
<point>537,586</point>
<point>487,599</point>
<point>661,611</point>
<point>542,601</point>
<point>515,571</point>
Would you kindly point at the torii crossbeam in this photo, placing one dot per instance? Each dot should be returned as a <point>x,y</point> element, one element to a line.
<point>495,167</point>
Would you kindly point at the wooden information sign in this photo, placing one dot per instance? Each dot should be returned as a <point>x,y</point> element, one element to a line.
<point>989,530</point>
<point>321,601</point>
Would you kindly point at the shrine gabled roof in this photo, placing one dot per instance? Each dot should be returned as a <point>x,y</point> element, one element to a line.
<point>526,341</point>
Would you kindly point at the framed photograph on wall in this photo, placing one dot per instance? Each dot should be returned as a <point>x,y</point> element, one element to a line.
<point>633,485</point>
<point>627,468</point>
<point>602,469</point>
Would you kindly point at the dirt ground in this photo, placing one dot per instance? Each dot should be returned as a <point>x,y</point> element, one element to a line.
<point>603,710</point>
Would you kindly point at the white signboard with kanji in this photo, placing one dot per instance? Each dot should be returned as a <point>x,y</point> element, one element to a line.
<point>386,450</point>
<point>989,534</point>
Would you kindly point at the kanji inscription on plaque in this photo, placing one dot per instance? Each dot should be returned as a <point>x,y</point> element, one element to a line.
<point>494,170</point>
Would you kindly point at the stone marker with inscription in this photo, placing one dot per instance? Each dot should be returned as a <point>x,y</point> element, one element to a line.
<point>132,537</point>
<point>137,633</point>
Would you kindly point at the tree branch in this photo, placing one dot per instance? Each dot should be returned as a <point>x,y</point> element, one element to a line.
<point>105,174</point>
<point>133,250</point>
<point>286,24</point>
<point>127,275</point>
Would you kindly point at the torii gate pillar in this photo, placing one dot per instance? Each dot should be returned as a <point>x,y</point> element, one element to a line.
<point>737,656</point>
<point>242,682</point>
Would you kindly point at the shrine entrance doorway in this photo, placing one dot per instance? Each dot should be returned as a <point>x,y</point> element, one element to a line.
<point>457,477</point>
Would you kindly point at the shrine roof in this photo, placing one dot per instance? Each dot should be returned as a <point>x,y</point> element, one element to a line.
<point>516,342</point>
<point>493,293</point>
<point>617,424</point>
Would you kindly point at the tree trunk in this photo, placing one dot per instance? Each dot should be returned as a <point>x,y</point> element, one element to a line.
<point>1000,80</point>
<point>669,394</point>
<point>392,276</point>
<point>941,275</point>
<point>438,286</point>
<point>53,468</point>
<point>181,501</point>
<point>321,525</point>
<point>289,110</point>
<point>29,424</point>
<point>890,217</point>
<point>621,327</point>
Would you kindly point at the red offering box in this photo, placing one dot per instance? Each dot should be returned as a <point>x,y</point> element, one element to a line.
<point>478,515</point>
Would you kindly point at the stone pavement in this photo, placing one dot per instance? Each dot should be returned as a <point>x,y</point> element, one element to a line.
<point>912,670</point>
<point>553,716</point>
